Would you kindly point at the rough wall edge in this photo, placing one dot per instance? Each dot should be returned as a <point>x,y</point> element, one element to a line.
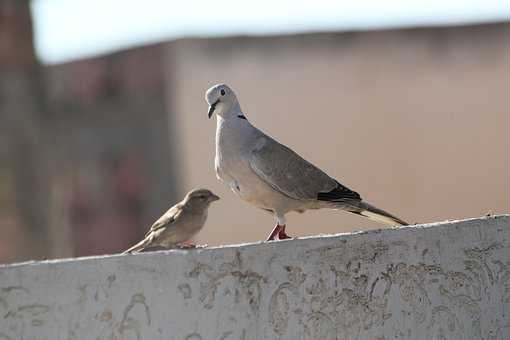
<point>342,237</point>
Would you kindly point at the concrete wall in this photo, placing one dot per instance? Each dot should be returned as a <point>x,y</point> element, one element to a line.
<point>415,120</point>
<point>441,281</point>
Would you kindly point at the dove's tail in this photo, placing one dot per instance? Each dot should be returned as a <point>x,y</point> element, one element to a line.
<point>137,247</point>
<point>373,213</point>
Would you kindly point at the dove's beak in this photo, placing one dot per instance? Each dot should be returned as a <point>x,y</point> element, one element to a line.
<point>211,108</point>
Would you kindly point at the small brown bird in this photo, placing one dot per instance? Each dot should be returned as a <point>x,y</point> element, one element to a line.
<point>179,224</point>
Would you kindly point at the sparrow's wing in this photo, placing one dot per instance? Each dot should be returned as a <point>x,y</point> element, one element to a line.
<point>167,219</point>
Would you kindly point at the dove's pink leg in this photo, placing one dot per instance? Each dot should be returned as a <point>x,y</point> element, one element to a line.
<point>278,233</point>
<point>274,233</point>
<point>281,234</point>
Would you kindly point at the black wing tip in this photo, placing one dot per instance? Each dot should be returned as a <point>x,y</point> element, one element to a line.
<point>338,193</point>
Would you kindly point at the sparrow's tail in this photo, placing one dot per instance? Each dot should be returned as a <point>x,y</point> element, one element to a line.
<point>137,247</point>
<point>373,213</point>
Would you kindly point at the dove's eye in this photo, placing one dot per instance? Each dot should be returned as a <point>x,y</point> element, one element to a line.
<point>222,92</point>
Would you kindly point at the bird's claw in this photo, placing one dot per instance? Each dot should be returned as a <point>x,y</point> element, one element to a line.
<point>278,234</point>
<point>191,246</point>
<point>186,246</point>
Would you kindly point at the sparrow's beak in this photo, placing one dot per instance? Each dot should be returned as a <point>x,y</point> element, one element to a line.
<point>211,109</point>
<point>214,198</point>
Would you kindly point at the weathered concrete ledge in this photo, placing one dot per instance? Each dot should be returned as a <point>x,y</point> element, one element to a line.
<point>448,280</point>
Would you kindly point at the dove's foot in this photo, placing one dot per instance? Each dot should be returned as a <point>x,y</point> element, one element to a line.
<point>278,233</point>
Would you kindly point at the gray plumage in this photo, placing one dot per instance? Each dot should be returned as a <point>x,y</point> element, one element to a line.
<point>270,175</point>
<point>179,224</point>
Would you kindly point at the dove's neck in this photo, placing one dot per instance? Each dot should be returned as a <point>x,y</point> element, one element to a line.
<point>235,124</point>
<point>229,110</point>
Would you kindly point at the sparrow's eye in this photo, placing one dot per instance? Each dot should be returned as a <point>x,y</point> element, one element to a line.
<point>222,92</point>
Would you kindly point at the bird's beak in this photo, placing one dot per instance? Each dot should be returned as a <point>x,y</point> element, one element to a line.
<point>211,109</point>
<point>214,198</point>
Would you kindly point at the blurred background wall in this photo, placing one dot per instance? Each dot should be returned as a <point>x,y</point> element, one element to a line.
<point>415,120</point>
<point>86,160</point>
<point>94,150</point>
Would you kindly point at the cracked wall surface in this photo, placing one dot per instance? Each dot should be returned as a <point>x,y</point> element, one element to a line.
<point>448,280</point>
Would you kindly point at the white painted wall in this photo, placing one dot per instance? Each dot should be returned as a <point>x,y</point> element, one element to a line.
<point>441,281</point>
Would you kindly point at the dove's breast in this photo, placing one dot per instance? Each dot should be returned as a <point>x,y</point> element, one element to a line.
<point>230,145</point>
<point>235,140</point>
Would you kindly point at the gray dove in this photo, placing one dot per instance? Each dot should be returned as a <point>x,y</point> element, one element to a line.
<point>270,175</point>
<point>180,223</point>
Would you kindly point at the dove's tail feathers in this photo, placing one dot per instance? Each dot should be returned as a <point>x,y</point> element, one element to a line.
<point>373,213</point>
<point>137,247</point>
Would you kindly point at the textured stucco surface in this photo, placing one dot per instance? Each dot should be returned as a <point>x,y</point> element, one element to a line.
<point>443,281</point>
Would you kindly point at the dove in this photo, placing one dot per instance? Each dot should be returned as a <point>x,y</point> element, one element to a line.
<point>271,176</point>
<point>180,223</point>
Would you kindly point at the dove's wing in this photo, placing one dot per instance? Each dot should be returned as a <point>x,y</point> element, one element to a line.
<point>287,172</point>
<point>167,219</point>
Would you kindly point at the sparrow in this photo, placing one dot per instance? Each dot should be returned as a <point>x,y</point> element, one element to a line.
<point>179,224</point>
